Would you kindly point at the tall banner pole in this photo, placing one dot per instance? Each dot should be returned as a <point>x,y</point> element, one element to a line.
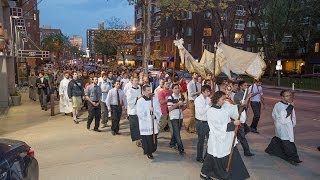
<point>214,68</point>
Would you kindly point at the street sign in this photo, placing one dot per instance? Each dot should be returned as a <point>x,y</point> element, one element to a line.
<point>33,54</point>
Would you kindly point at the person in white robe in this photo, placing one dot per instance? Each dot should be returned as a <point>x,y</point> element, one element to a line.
<point>64,104</point>
<point>149,116</point>
<point>221,135</point>
<point>133,94</point>
<point>284,116</point>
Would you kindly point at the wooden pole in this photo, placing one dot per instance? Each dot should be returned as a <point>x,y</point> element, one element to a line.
<point>52,103</point>
<point>214,68</point>
<point>151,113</point>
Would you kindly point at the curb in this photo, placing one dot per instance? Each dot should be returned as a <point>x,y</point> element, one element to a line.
<point>296,90</point>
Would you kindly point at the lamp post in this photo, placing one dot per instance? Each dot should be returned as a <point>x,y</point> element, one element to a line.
<point>279,68</point>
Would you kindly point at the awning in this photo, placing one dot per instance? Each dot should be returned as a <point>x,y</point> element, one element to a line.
<point>314,60</point>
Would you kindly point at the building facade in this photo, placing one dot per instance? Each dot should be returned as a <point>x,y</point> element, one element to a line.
<point>47,30</point>
<point>76,41</point>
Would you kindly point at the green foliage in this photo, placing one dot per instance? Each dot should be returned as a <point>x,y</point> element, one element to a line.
<point>103,46</point>
<point>55,42</point>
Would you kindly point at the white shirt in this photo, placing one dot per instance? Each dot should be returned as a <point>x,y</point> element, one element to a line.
<point>100,80</point>
<point>143,112</point>
<point>253,89</point>
<point>220,141</point>
<point>132,98</point>
<point>201,107</point>
<point>192,89</point>
<point>124,82</point>
<point>283,125</point>
<point>112,98</point>
<point>127,87</point>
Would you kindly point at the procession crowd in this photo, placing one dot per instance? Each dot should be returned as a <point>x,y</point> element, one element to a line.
<point>155,104</point>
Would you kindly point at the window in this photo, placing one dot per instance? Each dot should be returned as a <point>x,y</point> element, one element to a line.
<point>28,24</point>
<point>189,47</point>
<point>186,15</point>
<point>250,37</point>
<point>240,10</point>
<point>188,31</point>
<point>238,38</point>
<point>173,31</point>
<point>189,15</point>
<point>239,24</point>
<point>317,47</point>
<point>259,40</point>
<point>207,15</point>
<point>207,32</point>
<point>251,24</point>
<point>208,47</point>
<point>34,17</point>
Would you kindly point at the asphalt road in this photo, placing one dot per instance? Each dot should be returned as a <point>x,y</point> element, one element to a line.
<point>69,151</point>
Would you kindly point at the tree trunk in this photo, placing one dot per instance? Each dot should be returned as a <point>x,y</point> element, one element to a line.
<point>147,34</point>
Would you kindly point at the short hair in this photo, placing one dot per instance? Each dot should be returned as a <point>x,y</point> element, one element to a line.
<point>284,91</point>
<point>74,72</point>
<point>167,79</point>
<point>116,81</point>
<point>174,85</point>
<point>144,87</point>
<point>217,95</point>
<point>104,75</point>
<point>205,87</point>
<point>241,83</point>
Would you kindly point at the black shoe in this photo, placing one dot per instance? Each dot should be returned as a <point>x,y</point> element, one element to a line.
<point>75,121</point>
<point>113,133</point>
<point>182,152</point>
<point>254,130</point>
<point>138,143</point>
<point>293,163</point>
<point>173,146</point>
<point>318,148</point>
<point>248,154</point>
<point>200,160</point>
<point>298,161</point>
<point>117,133</point>
<point>97,130</point>
<point>150,156</point>
<point>88,127</point>
<point>45,109</point>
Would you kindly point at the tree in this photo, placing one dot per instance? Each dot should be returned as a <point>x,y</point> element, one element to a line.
<point>103,46</point>
<point>56,43</point>
<point>116,38</point>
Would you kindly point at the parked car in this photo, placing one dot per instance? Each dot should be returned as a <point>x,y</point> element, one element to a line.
<point>17,161</point>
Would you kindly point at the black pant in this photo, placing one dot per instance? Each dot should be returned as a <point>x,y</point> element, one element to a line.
<point>176,137</point>
<point>256,108</point>
<point>94,112</point>
<point>203,132</point>
<point>43,99</point>
<point>148,145</point>
<point>242,138</point>
<point>116,112</point>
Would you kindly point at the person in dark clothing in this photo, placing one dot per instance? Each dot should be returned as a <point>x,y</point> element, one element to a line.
<point>75,93</point>
<point>42,85</point>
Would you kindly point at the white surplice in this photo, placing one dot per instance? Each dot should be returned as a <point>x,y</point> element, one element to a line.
<point>132,98</point>
<point>283,125</point>
<point>143,112</point>
<point>64,104</point>
<point>220,141</point>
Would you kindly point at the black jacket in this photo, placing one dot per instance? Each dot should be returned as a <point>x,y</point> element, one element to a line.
<point>42,86</point>
<point>75,88</point>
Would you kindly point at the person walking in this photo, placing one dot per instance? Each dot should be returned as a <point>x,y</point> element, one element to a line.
<point>115,100</point>
<point>202,104</point>
<point>32,86</point>
<point>75,94</point>
<point>194,90</point>
<point>42,85</point>
<point>148,111</point>
<point>93,96</point>
<point>64,103</point>
<point>105,86</point>
<point>256,100</point>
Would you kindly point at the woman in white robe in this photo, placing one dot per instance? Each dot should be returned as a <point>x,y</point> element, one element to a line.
<point>284,116</point>
<point>64,104</point>
<point>220,141</point>
<point>146,113</point>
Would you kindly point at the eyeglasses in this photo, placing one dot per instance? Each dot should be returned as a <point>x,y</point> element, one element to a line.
<point>287,96</point>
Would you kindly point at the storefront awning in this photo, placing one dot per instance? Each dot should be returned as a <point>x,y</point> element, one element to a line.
<point>314,60</point>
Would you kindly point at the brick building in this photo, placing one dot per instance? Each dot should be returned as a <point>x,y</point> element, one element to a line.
<point>76,41</point>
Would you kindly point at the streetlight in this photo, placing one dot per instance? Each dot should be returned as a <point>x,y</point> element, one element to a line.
<point>279,68</point>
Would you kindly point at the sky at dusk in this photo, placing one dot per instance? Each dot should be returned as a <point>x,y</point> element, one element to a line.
<point>74,17</point>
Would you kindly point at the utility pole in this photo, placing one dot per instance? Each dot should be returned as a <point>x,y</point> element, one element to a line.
<point>147,34</point>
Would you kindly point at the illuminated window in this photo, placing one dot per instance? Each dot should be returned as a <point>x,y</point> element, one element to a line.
<point>207,31</point>
<point>238,38</point>
<point>316,49</point>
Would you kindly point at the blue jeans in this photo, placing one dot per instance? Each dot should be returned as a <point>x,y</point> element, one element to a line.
<point>176,138</point>
<point>203,132</point>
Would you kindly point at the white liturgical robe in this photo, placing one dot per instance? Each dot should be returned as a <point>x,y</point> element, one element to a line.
<point>220,141</point>
<point>283,125</point>
<point>132,98</point>
<point>143,112</point>
<point>64,104</point>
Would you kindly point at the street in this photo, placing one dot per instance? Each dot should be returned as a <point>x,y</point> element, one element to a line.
<point>69,151</point>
